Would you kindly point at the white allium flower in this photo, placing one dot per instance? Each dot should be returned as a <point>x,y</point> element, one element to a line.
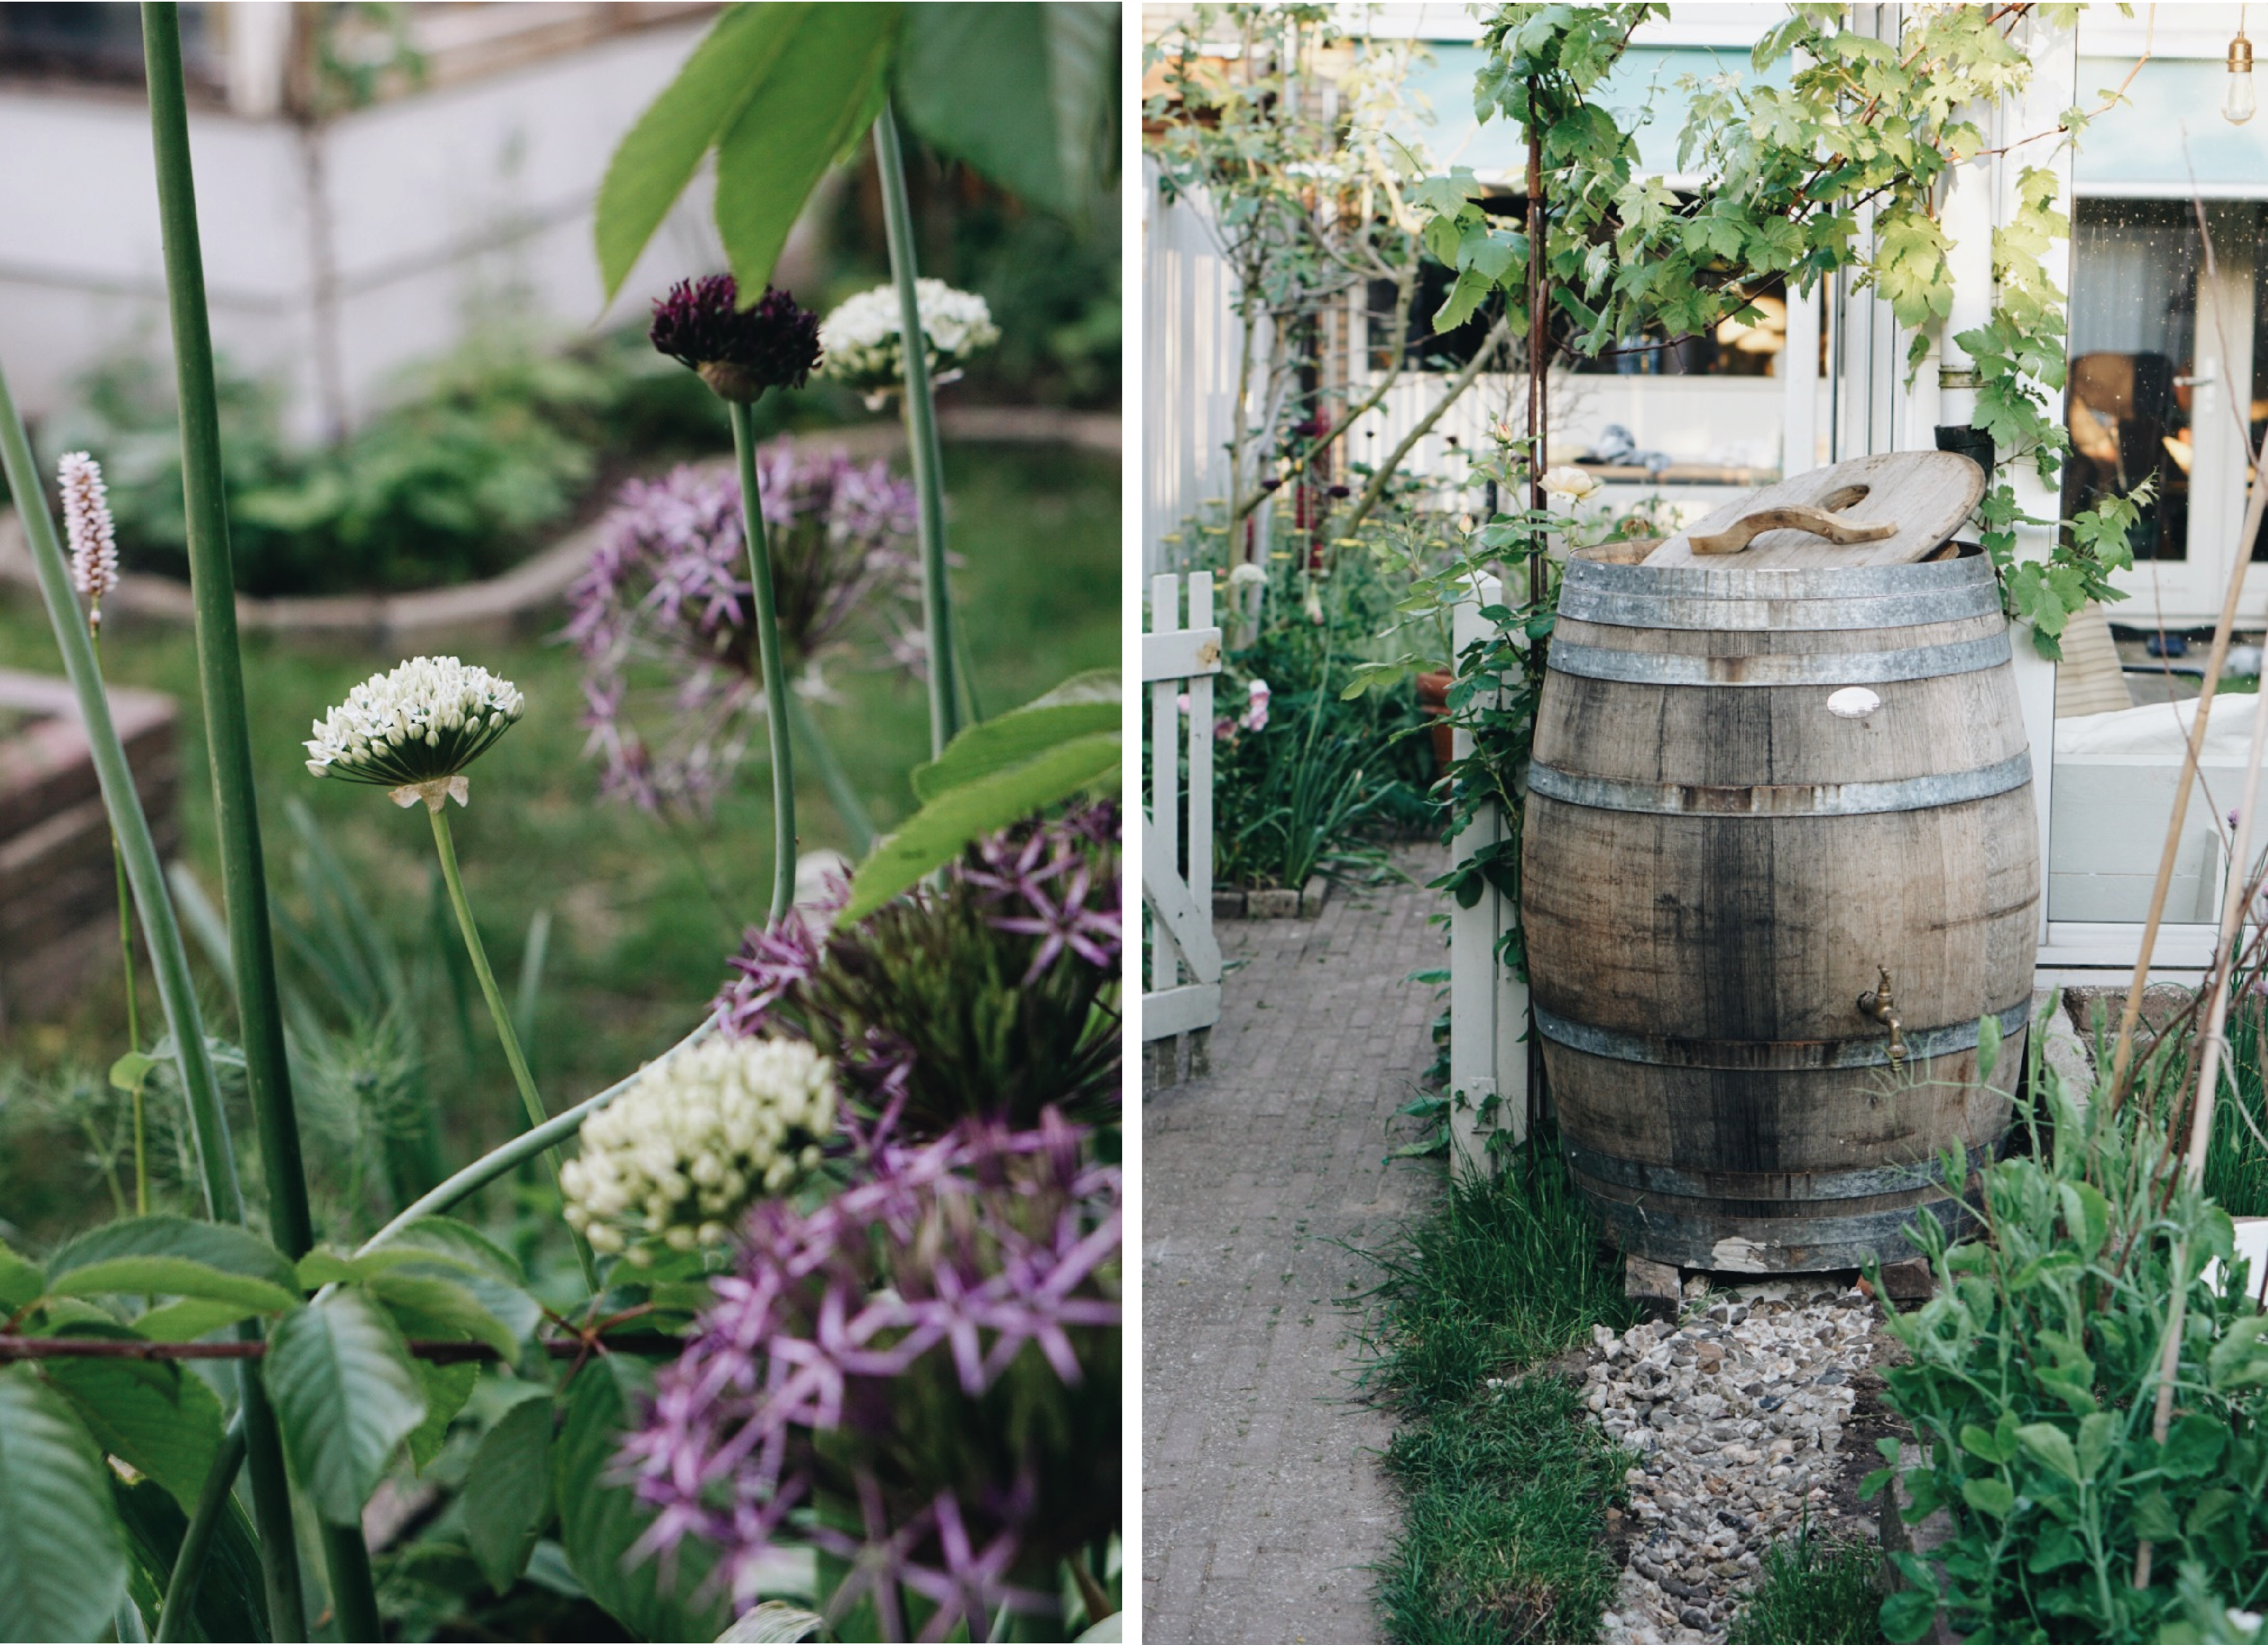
<point>1247,575</point>
<point>859,342</point>
<point>86,522</point>
<point>702,1133</point>
<point>1568,482</point>
<point>414,731</point>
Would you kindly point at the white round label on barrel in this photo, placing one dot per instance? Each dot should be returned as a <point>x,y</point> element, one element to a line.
<point>1854,702</point>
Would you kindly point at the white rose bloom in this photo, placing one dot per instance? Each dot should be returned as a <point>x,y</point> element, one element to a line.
<point>679,1156</point>
<point>859,343</point>
<point>1568,482</point>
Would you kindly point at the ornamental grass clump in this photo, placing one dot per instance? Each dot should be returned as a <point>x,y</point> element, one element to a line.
<point>679,1156</point>
<point>992,994</point>
<point>924,1373</point>
<point>865,339</point>
<point>664,617</point>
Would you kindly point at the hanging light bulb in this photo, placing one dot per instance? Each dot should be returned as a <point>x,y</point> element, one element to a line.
<point>2237,103</point>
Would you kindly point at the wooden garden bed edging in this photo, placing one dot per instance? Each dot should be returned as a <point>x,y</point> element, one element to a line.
<point>1274,903</point>
<point>58,889</point>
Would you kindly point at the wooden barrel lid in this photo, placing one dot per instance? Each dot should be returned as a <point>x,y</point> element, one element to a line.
<point>1890,509</point>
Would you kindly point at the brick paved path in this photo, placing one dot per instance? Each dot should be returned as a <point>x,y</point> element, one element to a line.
<point>1264,1508</point>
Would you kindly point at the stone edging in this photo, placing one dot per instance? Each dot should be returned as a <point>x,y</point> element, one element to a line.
<point>511,602</point>
<point>1279,904</point>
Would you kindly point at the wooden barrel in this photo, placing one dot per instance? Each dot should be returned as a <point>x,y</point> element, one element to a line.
<point>1753,792</point>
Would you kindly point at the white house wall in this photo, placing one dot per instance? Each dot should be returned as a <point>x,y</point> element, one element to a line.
<point>434,203</point>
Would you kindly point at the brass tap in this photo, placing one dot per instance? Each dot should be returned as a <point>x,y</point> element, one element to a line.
<point>1877,1003</point>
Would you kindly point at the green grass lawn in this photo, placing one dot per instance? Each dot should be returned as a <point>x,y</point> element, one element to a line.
<point>642,915</point>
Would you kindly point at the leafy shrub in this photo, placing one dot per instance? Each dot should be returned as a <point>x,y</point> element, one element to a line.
<point>484,451</point>
<point>2033,1390</point>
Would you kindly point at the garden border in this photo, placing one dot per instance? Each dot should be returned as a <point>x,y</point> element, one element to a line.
<point>506,603</point>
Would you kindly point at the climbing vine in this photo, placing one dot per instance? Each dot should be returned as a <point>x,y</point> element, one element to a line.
<point>1841,169</point>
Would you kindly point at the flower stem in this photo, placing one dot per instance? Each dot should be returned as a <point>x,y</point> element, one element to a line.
<point>220,678</point>
<point>501,1015</point>
<point>921,436</point>
<point>832,778</point>
<point>774,665</point>
<point>126,952</point>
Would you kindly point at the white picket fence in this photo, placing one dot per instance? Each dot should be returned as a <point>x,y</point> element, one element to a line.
<point>1184,971</point>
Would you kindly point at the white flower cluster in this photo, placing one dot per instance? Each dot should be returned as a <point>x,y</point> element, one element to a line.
<point>86,522</point>
<point>416,729</point>
<point>859,342</point>
<point>684,1151</point>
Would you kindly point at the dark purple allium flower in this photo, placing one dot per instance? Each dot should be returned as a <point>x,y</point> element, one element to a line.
<point>992,994</point>
<point>934,1353</point>
<point>666,607</point>
<point>738,352</point>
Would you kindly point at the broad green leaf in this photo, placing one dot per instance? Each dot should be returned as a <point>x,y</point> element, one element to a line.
<point>1111,1627</point>
<point>653,165</point>
<point>1988,1046</point>
<point>1906,1615</point>
<point>508,1492</point>
<point>446,1388</point>
<point>346,1394</point>
<point>158,1418</point>
<point>2051,1447</point>
<point>1996,1497</point>
<point>62,1553</point>
<point>2240,1359</point>
<point>2086,1215</point>
<point>205,1245</point>
<point>822,86</point>
<point>191,1317</point>
<point>1082,706</point>
<point>231,1599</point>
<point>420,1302</point>
<point>128,1073</point>
<point>321,1268</point>
<point>2194,1447</point>
<point>21,1282</point>
<point>598,1522</point>
<point>936,834</point>
<point>446,1239</point>
<point>1025,94</point>
<point>775,1622</point>
<point>174,1276</point>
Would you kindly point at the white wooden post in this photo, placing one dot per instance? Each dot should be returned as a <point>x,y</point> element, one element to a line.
<point>1488,1009</point>
<point>1179,926</point>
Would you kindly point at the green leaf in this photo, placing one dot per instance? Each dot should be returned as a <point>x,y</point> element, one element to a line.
<point>1082,706</point>
<point>1906,1615</point>
<point>62,1553</point>
<point>447,1388</point>
<point>128,1073</point>
<point>508,1492</point>
<point>21,1282</point>
<point>776,1622</point>
<point>1993,1496</point>
<point>598,1522</point>
<point>446,1239</point>
<point>1111,1627</point>
<point>936,834</point>
<point>420,1302</point>
<point>2051,1447</point>
<point>157,1418</point>
<point>346,1394</point>
<point>1988,1046</point>
<point>653,165</point>
<point>231,1596</point>
<point>2194,1447</point>
<point>1025,94</point>
<point>191,1317</point>
<point>2240,1359</point>
<point>820,88</point>
<point>171,1256</point>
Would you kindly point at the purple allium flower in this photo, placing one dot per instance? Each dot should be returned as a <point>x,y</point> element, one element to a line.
<point>970,1288</point>
<point>665,606</point>
<point>993,994</point>
<point>738,351</point>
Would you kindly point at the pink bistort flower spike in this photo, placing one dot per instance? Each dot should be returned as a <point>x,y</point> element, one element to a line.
<point>87,524</point>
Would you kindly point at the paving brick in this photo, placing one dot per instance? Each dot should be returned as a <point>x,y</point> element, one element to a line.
<point>1265,1513</point>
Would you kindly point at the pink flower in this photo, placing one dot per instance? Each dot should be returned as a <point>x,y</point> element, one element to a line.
<point>1255,717</point>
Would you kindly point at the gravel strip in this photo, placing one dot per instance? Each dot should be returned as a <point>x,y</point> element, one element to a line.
<point>1736,1413</point>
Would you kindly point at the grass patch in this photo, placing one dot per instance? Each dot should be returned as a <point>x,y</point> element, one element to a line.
<point>1814,1592</point>
<point>1505,1487</point>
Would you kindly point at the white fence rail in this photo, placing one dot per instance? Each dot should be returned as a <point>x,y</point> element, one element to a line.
<point>1184,988</point>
